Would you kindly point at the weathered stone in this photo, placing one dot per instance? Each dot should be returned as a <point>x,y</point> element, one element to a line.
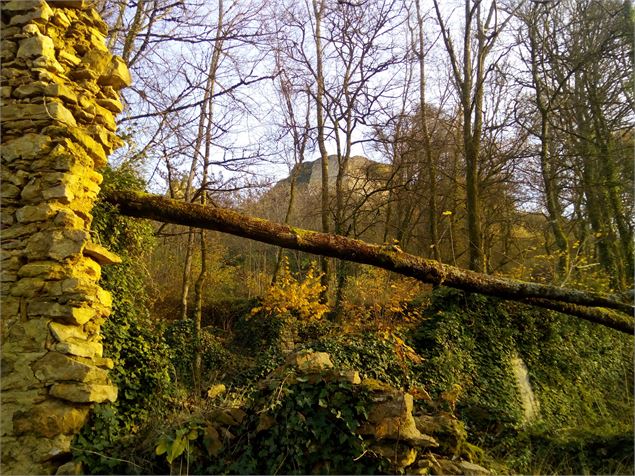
<point>61,19</point>
<point>8,190</point>
<point>50,418</point>
<point>17,373</point>
<point>311,361</point>
<point>9,305</point>
<point>400,456</point>
<point>40,212</point>
<point>113,105</point>
<point>21,5</point>
<point>391,418</point>
<point>67,58</point>
<point>95,62</point>
<point>63,333</point>
<point>471,469</point>
<point>51,111</point>
<point>84,393</point>
<point>42,457</point>
<point>44,270</point>
<point>32,191</point>
<point>26,147</point>
<point>100,254</point>
<point>55,367</point>
<point>104,362</point>
<point>34,46</point>
<point>80,348</point>
<point>56,244</point>
<point>52,305</point>
<point>216,390</point>
<point>60,312</point>
<point>48,63</point>
<point>29,336</point>
<point>27,287</point>
<point>40,15</point>
<point>17,231</point>
<point>71,468</point>
<point>8,49</point>
<point>35,88</point>
<point>117,74</point>
<point>69,3</point>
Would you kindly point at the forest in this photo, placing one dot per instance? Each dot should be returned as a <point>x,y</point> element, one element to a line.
<point>368,237</point>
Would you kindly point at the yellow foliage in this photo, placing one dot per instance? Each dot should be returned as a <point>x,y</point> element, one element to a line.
<point>377,294</point>
<point>288,295</point>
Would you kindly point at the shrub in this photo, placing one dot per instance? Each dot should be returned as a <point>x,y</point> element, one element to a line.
<point>216,359</point>
<point>300,299</point>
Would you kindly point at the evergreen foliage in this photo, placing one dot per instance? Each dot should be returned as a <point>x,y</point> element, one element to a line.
<point>142,369</point>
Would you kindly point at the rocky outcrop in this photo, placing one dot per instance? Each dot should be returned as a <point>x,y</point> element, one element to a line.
<point>59,99</point>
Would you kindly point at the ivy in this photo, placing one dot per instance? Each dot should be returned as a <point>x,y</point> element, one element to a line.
<point>140,354</point>
<point>312,430</point>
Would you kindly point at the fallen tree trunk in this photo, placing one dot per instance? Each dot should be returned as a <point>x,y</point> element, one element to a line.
<point>571,301</point>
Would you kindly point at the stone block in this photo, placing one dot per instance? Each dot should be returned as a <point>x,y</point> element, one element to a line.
<point>311,361</point>
<point>62,332</point>
<point>48,63</point>
<point>68,58</point>
<point>46,112</point>
<point>84,393</point>
<point>390,418</point>
<point>28,336</point>
<point>471,469</point>
<point>113,105</point>
<point>56,367</point>
<point>56,244</point>
<point>45,270</point>
<point>117,74</point>
<point>37,45</point>
<point>61,312</point>
<point>8,190</point>
<point>21,5</point>
<point>69,219</point>
<point>8,49</point>
<point>10,305</point>
<point>40,15</point>
<point>80,348</point>
<point>49,419</point>
<point>27,287</point>
<point>93,148</point>
<point>61,19</point>
<point>71,468</point>
<point>17,231</point>
<point>40,212</point>
<point>27,146</point>
<point>69,3</point>
<point>100,254</point>
<point>96,62</point>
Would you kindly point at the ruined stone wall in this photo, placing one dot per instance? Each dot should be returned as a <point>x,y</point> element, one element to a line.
<point>59,98</point>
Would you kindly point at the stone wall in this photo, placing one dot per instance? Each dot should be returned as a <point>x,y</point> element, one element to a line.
<point>59,99</point>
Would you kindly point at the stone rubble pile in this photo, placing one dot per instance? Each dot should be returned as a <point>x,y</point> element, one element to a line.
<point>413,444</point>
<point>59,98</point>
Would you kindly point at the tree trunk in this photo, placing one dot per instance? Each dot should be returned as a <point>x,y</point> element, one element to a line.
<point>324,156</point>
<point>142,205</point>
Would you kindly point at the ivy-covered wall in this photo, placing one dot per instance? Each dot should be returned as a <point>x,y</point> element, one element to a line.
<point>581,373</point>
<point>59,100</point>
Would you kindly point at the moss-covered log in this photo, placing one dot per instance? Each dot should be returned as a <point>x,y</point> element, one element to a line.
<point>586,305</point>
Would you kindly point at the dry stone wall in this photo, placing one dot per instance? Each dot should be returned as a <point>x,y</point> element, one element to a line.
<point>59,100</point>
